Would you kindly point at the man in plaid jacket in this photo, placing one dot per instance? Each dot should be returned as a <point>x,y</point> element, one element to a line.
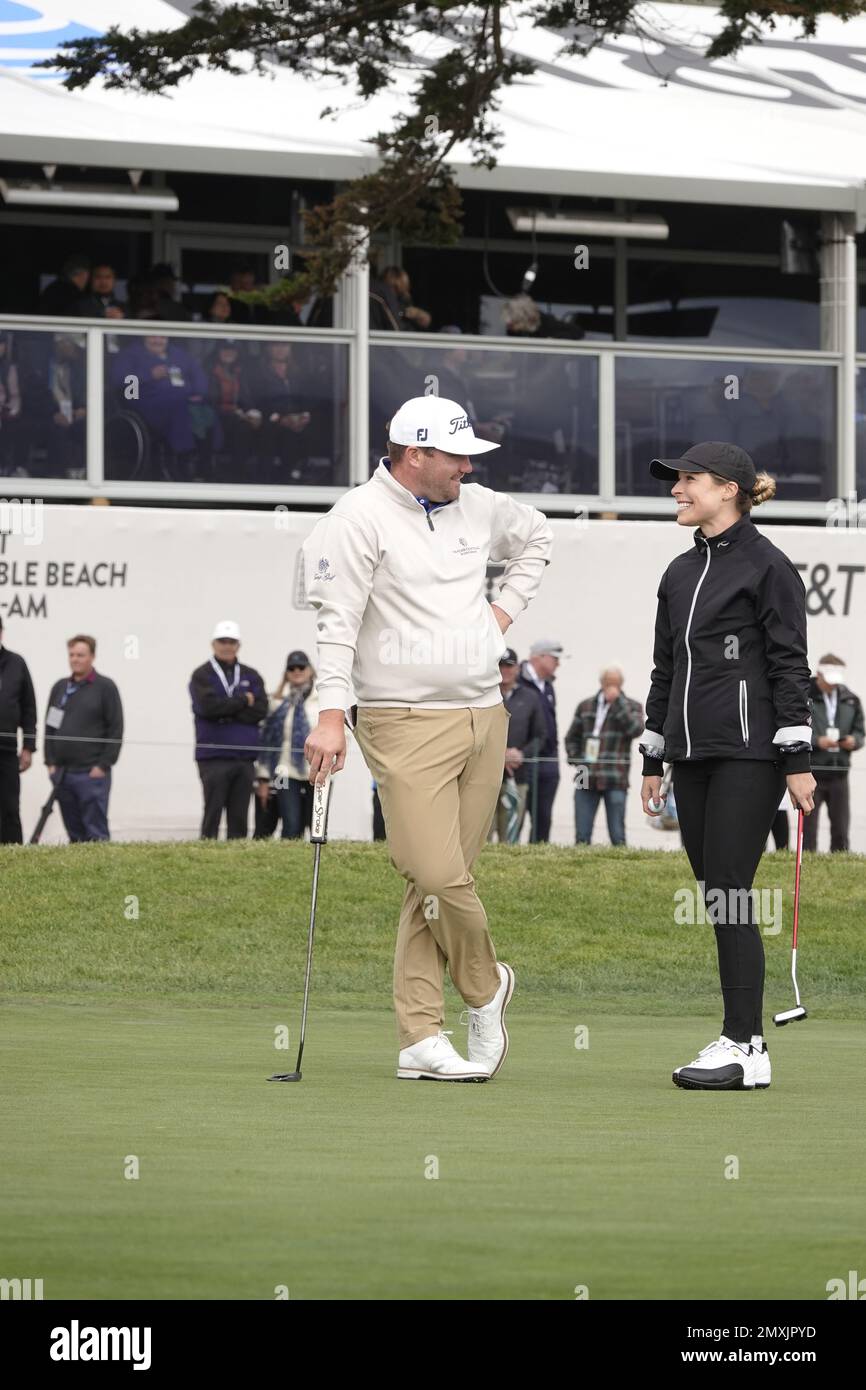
<point>598,744</point>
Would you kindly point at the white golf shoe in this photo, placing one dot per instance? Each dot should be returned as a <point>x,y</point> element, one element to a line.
<point>724,1065</point>
<point>488,1038</point>
<point>762,1063</point>
<point>434,1059</point>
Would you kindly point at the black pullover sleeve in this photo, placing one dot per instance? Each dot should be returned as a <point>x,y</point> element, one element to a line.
<point>780,604</point>
<point>660,688</point>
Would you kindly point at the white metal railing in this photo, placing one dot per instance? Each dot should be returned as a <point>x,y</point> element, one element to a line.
<point>358,342</point>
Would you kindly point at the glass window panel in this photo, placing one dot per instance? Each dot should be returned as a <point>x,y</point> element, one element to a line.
<point>784,415</point>
<point>541,407</point>
<point>232,410</point>
<point>43,400</point>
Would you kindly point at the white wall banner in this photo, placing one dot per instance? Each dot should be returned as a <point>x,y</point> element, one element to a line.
<point>150,584</point>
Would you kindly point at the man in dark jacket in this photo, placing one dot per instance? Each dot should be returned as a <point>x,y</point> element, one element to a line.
<point>391,306</point>
<point>101,300</point>
<point>598,744</point>
<point>67,295</point>
<point>278,388</point>
<point>83,734</point>
<point>17,711</point>
<point>539,673</point>
<point>527,731</point>
<point>228,703</point>
<point>837,731</point>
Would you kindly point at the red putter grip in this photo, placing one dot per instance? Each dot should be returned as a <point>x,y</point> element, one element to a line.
<point>319,822</point>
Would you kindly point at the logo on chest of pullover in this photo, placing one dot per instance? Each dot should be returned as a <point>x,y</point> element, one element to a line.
<point>464,548</point>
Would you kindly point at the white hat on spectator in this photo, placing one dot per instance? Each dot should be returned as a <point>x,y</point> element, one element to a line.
<point>432,422</point>
<point>546,646</point>
<point>227,630</point>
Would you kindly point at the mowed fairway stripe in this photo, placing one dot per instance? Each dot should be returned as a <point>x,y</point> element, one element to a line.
<point>573,1167</point>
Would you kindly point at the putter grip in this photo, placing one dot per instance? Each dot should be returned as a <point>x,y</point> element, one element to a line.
<point>319,822</point>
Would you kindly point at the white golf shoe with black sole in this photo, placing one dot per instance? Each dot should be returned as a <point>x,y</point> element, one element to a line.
<point>488,1036</point>
<point>434,1059</point>
<point>724,1065</point>
<point>762,1063</point>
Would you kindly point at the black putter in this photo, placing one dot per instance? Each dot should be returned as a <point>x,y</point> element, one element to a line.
<point>318,837</point>
<point>797,1014</point>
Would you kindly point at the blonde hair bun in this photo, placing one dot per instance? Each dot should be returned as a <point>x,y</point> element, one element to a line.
<point>764,489</point>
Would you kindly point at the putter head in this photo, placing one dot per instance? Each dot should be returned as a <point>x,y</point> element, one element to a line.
<point>790,1016</point>
<point>286,1076</point>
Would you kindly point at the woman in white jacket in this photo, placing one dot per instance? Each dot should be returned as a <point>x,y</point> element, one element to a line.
<point>283,790</point>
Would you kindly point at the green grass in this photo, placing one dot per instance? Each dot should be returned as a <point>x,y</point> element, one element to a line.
<point>228,922</point>
<point>152,1038</point>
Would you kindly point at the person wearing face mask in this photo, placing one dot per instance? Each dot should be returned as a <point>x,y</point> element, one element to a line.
<point>283,791</point>
<point>729,705</point>
<point>837,732</point>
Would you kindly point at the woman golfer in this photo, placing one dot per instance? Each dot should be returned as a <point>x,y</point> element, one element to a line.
<point>729,707</point>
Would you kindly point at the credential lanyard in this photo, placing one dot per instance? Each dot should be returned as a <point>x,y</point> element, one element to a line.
<point>229,688</point>
<point>71,687</point>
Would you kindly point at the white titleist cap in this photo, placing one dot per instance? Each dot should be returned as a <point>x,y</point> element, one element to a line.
<point>435,423</point>
<point>228,630</point>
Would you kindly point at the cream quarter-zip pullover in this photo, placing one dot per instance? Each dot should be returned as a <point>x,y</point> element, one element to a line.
<point>401,594</point>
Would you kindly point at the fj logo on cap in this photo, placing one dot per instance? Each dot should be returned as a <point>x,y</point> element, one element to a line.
<point>460,422</point>
<point>422,435</point>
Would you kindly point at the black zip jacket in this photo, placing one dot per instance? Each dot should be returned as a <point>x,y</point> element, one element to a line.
<point>17,703</point>
<point>549,750</point>
<point>527,727</point>
<point>92,727</point>
<point>731,677</point>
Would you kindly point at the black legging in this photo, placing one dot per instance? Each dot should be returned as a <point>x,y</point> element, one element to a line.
<point>726,807</point>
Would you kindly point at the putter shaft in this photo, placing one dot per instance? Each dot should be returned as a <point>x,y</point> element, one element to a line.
<point>318,837</point>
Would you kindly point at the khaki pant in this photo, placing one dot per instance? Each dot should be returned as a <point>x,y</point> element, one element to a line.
<point>439,772</point>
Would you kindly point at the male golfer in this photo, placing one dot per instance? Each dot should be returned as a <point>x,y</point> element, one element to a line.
<point>397,572</point>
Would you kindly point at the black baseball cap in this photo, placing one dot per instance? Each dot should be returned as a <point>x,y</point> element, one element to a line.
<point>297,659</point>
<point>726,460</point>
<point>508,657</point>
